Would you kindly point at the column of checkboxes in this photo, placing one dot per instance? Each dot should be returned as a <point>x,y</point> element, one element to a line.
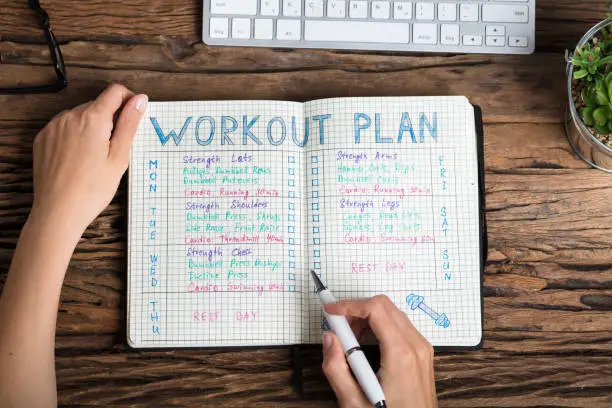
<point>316,228</point>
<point>291,222</point>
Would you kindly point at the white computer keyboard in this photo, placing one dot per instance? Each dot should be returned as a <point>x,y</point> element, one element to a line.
<point>494,26</point>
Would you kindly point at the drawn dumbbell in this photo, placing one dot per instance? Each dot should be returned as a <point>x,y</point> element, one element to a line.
<point>415,301</point>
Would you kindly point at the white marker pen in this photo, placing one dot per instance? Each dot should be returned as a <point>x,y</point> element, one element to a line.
<point>354,355</point>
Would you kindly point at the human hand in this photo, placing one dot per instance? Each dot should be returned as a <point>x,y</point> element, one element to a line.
<point>80,156</point>
<point>406,369</point>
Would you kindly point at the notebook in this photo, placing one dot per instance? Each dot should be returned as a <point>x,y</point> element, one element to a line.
<point>232,203</point>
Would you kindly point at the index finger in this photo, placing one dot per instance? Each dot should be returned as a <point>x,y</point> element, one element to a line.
<point>375,312</point>
<point>111,99</point>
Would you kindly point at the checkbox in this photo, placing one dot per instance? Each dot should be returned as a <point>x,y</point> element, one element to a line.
<point>291,183</point>
<point>291,159</point>
<point>292,264</point>
<point>315,206</point>
<point>315,194</point>
<point>292,171</point>
<point>315,230</point>
<point>315,182</point>
<point>291,229</point>
<point>292,206</point>
<point>291,276</point>
<point>315,159</point>
<point>316,241</point>
<point>292,194</point>
<point>291,288</point>
<point>292,253</point>
<point>315,170</point>
<point>291,217</point>
<point>315,218</point>
<point>317,265</point>
<point>317,253</point>
<point>291,241</point>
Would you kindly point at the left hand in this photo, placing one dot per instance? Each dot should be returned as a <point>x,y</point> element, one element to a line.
<point>80,156</point>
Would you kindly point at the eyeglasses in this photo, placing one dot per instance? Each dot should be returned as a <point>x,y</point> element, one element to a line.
<point>56,57</point>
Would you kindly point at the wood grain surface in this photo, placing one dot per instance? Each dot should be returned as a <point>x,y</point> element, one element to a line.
<point>548,282</point>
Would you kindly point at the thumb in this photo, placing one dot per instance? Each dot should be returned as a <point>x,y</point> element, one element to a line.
<point>339,375</point>
<point>125,129</point>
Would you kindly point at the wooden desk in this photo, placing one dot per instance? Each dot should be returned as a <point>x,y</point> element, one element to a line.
<point>548,285</point>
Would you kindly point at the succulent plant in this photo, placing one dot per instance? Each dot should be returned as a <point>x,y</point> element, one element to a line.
<point>589,62</point>
<point>597,98</point>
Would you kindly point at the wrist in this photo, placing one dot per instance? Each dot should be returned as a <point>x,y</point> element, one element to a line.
<point>54,224</point>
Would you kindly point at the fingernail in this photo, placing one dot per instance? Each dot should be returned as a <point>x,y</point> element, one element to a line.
<point>141,103</point>
<point>327,340</point>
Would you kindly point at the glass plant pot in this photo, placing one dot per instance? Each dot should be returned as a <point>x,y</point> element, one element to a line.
<point>584,143</point>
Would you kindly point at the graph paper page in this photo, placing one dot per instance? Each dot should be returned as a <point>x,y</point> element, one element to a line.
<point>393,208</point>
<point>215,225</point>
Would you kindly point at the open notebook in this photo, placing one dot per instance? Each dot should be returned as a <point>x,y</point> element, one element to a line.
<point>231,203</point>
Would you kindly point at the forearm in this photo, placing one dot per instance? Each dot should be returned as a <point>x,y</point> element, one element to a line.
<point>28,311</point>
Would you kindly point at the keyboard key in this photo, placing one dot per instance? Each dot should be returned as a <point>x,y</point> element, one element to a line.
<point>357,31</point>
<point>239,7</point>
<point>447,12</point>
<point>290,30</point>
<point>425,11</point>
<point>219,27</point>
<point>336,8</point>
<point>380,10</point>
<point>402,10</point>
<point>424,33</point>
<point>505,13</point>
<point>472,40</point>
<point>496,30</point>
<point>468,12</point>
<point>449,34</point>
<point>263,29</point>
<point>241,28</point>
<point>270,7</point>
<point>358,9</point>
<point>314,8</point>
<point>292,8</point>
<point>518,41</point>
<point>496,41</point>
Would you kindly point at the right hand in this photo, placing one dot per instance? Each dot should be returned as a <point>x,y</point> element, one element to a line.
<point>406,368</point>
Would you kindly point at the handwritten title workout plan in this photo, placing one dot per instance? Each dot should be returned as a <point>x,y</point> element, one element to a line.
<point>232,203</point>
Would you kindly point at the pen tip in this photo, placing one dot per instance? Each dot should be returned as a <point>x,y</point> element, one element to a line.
<point>318,284</point>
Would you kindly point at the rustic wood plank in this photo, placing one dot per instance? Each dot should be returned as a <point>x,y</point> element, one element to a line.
<point>521,90</point>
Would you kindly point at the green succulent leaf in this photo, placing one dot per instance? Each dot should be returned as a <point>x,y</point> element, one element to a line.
<point>600,116</point>
<point>587,97</point>
<point>587,116</point>
<point>601,97</point>
<point>580,73</point>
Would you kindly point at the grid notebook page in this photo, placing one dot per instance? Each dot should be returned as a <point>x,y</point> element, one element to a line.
<point>216,226</point>
<point>393,208</point>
